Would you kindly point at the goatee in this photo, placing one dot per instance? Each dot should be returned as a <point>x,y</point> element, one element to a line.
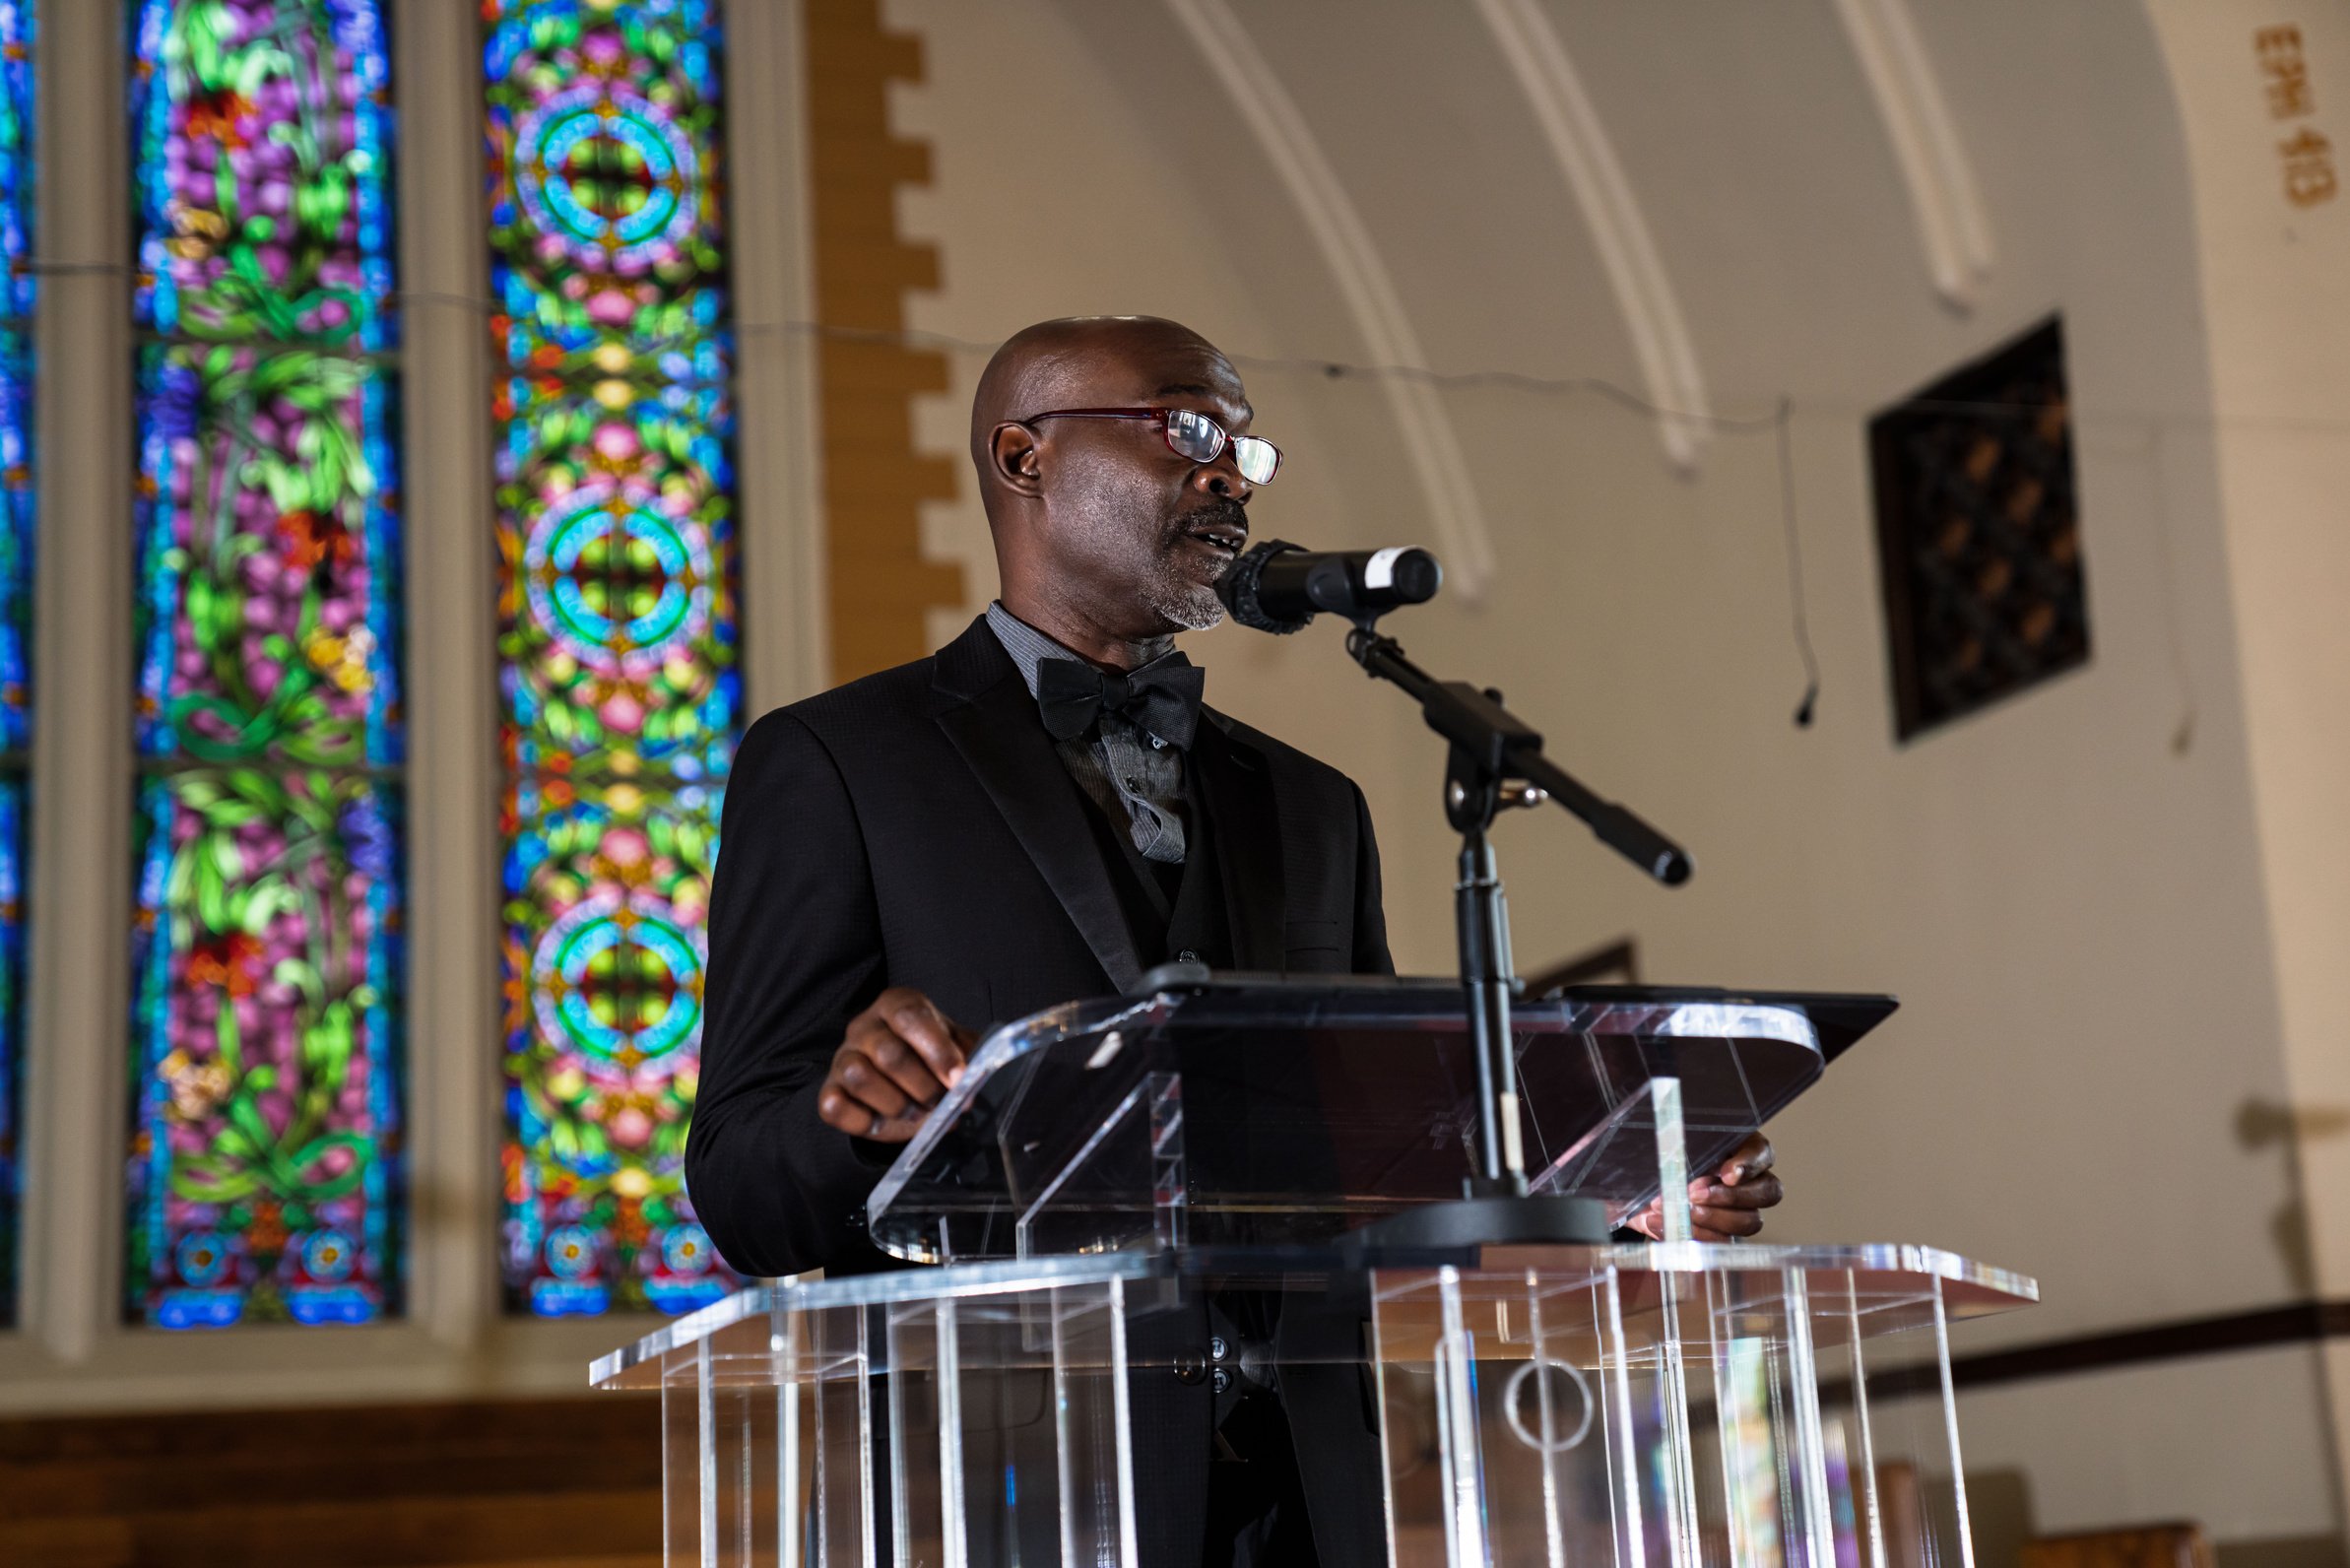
<point>1191,607</point>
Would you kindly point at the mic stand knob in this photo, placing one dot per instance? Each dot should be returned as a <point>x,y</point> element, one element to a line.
<point>1514,793</point>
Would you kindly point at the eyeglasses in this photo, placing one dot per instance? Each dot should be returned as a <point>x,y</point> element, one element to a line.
<point>1191,434</point>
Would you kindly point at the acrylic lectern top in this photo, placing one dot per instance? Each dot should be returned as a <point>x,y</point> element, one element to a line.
<point>1242,1110</point>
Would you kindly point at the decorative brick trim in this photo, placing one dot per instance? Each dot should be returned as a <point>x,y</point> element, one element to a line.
<point>881,586</point>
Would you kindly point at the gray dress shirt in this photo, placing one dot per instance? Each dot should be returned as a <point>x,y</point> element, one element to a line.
<point>1133,776</point>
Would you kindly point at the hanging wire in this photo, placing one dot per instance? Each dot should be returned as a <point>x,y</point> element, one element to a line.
<point>1795,562</point>
<point>2182,734</point>
<point>1336,369</point>
<point>1779,421</point>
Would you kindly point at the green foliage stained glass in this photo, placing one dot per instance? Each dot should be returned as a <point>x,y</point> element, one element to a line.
<point>265,1176</point>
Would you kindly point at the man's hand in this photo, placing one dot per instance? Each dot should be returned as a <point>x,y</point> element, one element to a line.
<point>1727,1203</point>
<point>898,1057</point>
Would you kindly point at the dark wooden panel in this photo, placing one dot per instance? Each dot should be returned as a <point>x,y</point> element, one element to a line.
<point>509,1482</point>
<point>2176,1546</point>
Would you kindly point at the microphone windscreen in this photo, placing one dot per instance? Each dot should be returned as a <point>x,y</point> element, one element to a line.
<point>1237,588</point>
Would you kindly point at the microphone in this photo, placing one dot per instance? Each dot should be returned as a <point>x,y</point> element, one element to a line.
<point>1278,587</point>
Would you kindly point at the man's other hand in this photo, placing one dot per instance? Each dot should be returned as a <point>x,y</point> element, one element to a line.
<point>1724,1204</point>
<point>899,1057</point>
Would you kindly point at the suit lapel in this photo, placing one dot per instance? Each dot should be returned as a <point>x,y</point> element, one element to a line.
<point>1234,785</point>
<point>991,719</point>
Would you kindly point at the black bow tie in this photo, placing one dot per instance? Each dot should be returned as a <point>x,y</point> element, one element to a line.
<point>1162,697</point>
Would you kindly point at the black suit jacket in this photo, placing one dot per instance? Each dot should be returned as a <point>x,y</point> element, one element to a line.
<point>917,829</point>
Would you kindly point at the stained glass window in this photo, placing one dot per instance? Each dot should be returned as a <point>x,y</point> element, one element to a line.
<point>15,584</point>
<point>265,1173</point>
<point>617,628</point>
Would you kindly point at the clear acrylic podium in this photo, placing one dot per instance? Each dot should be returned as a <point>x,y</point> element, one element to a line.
<point>1150,1210</point>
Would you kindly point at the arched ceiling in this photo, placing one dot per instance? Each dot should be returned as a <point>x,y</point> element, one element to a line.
<point>1293,152</point>
<point>1533,184</point>
<point>1708,206</point>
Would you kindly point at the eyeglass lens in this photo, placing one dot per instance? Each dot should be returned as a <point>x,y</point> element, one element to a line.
<point>1195,436</point>
<point>1257,459</point>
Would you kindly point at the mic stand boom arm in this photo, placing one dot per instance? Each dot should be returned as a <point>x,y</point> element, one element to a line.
<point>1497,759</point>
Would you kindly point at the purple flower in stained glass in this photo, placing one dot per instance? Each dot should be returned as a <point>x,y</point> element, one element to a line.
<point>353,23</point>
<point>177,402</point>
<point>367,839</point>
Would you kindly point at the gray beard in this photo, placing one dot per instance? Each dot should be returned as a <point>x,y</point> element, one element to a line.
<point>1189,606</point>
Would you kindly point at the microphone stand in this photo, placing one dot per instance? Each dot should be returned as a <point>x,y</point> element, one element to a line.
<point>1497,760</point>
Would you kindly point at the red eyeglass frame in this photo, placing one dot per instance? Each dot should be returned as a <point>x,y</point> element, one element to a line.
<point>1162,418</point>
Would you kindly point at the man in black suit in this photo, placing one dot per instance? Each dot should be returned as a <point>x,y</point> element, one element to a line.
<point>1040,811</point>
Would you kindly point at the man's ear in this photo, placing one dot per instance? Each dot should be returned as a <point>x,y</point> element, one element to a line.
<point>1013,457</point>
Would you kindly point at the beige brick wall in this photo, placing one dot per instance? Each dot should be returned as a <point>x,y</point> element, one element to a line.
<point>874,480</point>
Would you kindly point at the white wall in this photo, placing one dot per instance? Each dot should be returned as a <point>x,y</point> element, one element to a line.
<point>2265,1409</point>
<point>2066,890</point>
<point>2276,281</point>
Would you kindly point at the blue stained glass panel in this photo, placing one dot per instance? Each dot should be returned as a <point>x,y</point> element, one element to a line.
<point>18,125</point>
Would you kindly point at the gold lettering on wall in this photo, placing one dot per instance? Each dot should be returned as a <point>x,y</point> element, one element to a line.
<point>2307,156</point>
<point>875,482</point>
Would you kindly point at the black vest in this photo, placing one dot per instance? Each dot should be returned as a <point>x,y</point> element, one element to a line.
<point>1175,912</point>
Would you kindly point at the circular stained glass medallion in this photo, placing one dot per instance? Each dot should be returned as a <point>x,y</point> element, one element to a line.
<point>604,172</point>
<point>203,1258</point>
<point>687,1250</point>
<point>326,1256</point>
<point>571,1251</point>
<point>618,979</point>
<point>617,584</point>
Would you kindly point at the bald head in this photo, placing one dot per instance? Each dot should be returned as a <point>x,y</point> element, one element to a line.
<point>1079,363</point>
<point>1101,528</point>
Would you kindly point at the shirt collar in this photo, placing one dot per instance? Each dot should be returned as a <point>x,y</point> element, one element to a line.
<point>1030,648</point>
<point>1027,647</point>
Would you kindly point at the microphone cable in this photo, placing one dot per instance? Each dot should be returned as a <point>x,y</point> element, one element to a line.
<point>1794,563</point>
